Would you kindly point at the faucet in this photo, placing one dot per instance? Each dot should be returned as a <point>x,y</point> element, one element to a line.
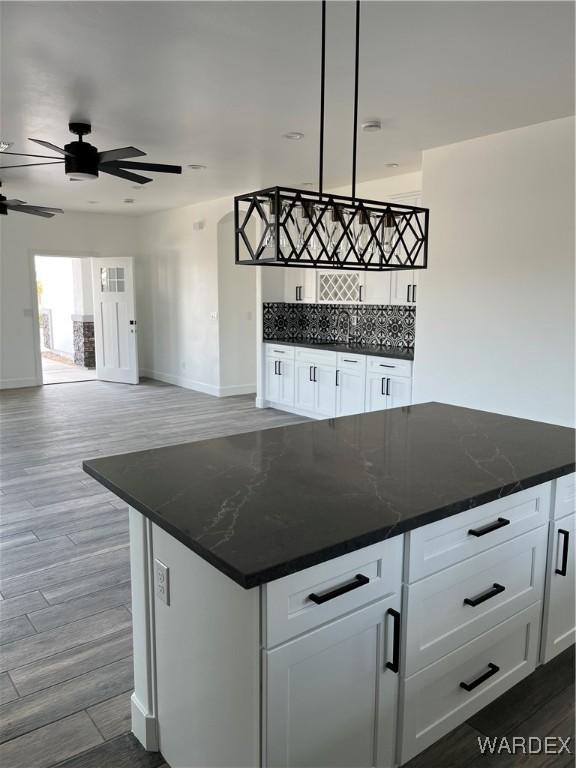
<point>346,313</point>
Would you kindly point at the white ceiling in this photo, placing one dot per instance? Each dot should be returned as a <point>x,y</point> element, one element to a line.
<point>218,83</point>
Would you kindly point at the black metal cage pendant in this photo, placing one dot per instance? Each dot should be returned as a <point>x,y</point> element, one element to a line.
<point>293,228</point>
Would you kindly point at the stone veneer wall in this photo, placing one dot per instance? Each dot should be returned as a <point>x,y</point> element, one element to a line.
<point>84,350</point>
<point>377,324</point>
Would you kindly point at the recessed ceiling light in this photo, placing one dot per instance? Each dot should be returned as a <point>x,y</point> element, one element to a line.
<point>391,165</point>
<point>138,187</point>
<point>128,199</point>
<point>293,136</point>
<point>197,167</point>
<point>4,145</point>
<point>371,126</point>
<point>93,202</point>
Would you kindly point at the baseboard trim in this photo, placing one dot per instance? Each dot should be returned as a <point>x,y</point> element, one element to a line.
<point>19,383</point>
<point>289,409</point>
<point>144,726</point>
<point>199,386</point>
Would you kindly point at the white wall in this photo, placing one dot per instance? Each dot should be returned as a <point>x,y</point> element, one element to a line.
<point>22,237</point>
<point>495,317</point>
<point>195,306</point>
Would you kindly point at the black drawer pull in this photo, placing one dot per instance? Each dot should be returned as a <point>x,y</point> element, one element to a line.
<point>492,670</point>
<point>383,387</point>
<point>359,581</point>
<point>350,361</point>
<point>383,365</point>
<point>500,523</point>
<point>394,665</point>
<point>387,387</point>
<point>495,589</point>
<point>563,570</point>
<point>337,377</point>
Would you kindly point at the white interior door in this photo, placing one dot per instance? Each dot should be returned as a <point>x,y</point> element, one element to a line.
<point>114,320</point>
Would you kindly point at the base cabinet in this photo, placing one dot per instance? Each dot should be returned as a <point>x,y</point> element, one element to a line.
<point>331,700</point>
<point>559,625</point>
<point>349,392</point>
<point>280,381</point>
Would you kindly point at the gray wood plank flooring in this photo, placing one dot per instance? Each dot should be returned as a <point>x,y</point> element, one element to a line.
<point>65,665</point>
<point>65,623</point>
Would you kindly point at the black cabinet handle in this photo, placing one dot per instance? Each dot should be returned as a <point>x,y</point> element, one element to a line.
<point>387,387</point>
<point>383,388</point>
<point>279,367</point>
<point>350,361</point>
<point>408,294</point>
<point>494,590</point>
<point>394,665</point>
<point>500,523</point>
<point>275,367</point>
<point>359,581</point>
<point>413,294</point>
<point>492,670</point>
<point>360,293</point>
<point>384,365</point>
<point>298,293</point>
<point>310,373</point>
<point>315,379</point>
<point>337,372</point>
<point>563,570</point>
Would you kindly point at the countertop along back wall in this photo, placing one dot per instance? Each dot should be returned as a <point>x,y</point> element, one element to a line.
<point>496,306</point>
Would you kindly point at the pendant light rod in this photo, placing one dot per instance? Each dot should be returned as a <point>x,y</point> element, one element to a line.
<point>356,68</point>
<point>322,89</point>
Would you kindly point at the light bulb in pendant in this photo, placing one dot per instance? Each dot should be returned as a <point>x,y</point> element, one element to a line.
<point>388,233</point>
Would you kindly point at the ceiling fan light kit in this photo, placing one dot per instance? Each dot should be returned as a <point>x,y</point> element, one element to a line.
<point>284,227</point>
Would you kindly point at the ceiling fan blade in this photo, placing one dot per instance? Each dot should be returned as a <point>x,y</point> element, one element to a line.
<point>25,154</point>
<point>53,147</point>
<point>118,154</point>
<point>123,174</point>
<point>32,210</point>
<point>30,165</point>
<point>156,167</point>
<point>10,203</point>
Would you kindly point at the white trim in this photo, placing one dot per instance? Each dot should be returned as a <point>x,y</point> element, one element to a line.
<point>199,386</point>
<point>32,381</point>
<point>144,726</point>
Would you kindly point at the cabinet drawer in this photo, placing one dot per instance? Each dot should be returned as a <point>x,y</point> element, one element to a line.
<point>280,351</point>
<point>452,607</point>
<point>318,356</point>
<point>372,573</point>
<point>389,366</point>
<point>439,545</point>
<point>434,701</point>
<point>351,362</point>
<point>565,496</point>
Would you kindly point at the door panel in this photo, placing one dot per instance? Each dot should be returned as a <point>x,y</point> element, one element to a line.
<point>272,380</point>
<point>305,389</point>
<point>114,320</point>
<point>331,700</point>
<point>559,618</point>
<point>376,399</point>
<point>350,392</point>
<point>325,400</point>
<point>400,392</point>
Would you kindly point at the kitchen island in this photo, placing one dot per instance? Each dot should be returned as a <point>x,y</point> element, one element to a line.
<point>343,592</point>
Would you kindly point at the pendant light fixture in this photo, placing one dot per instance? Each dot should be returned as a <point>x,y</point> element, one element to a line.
<point>284,227</point>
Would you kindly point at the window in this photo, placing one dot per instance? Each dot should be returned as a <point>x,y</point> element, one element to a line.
<point>112,279</point>
<point>339,288</point>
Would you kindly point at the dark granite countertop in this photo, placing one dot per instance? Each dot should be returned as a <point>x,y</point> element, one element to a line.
<point>265,504</point>
<point>377,350</point>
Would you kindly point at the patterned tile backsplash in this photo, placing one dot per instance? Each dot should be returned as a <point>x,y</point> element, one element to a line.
<point>388,325</point>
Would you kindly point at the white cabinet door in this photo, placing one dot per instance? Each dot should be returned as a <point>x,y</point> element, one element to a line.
<point>325,396</point>
<point>286,378</point>
<point>331,698</point>
<point>399,391</point>
<point>377,288</point>
<point>559,630</point>
<point>299,285</point>
<point>375,392</point>
<point>404,286</point>
<point>350,385</point>
<point>304,387</point>
<point>273,382</point>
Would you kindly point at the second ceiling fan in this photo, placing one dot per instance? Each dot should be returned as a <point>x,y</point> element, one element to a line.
<point>83,161</point>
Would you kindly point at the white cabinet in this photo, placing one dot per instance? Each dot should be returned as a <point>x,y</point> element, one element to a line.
<point>299,285</point>
<point>280,381</point>
<point>305,386</point>
<point>331,696</point>
<point>350,384</point>
<point>559,625</point>
<point>386,391</point>
<point>325,394</point>
<point>404,287</point>
<point>377,288</point>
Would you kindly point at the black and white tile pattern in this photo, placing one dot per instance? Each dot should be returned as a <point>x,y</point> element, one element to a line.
<point>387,325</point>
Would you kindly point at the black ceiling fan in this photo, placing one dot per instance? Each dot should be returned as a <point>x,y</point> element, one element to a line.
<point>21,207</point>
<point>84,161</point>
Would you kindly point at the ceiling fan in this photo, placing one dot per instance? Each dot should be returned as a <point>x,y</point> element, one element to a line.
<point>83,161</point>
<point>21,207</point>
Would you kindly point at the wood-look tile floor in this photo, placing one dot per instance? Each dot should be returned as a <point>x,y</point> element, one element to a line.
<point>65,622</point>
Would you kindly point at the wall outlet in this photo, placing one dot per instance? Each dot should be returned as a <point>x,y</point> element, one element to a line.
<point>214,315</point>
<point>162,581</point>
